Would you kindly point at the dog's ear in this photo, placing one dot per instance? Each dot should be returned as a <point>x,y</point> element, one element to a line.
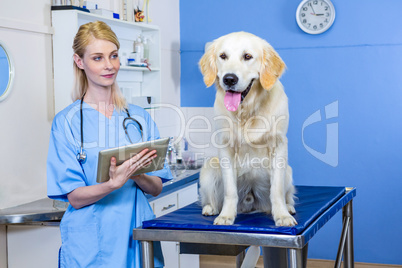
<point>208,65</point>
<point>272,67</point>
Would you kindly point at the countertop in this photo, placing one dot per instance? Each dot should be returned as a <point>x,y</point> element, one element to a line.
<point>49,212</point>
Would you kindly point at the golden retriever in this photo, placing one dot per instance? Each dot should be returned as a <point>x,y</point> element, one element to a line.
<point>251,173</point>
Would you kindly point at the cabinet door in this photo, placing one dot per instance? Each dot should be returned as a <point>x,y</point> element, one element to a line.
<point>165,204</point>
<point>187,195</point>
<point>33,246</point>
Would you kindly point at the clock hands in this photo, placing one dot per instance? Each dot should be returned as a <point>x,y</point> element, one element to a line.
<point>312,8</point>
<point>315,14</point>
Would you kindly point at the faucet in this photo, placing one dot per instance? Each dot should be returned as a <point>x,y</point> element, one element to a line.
<point>171,152</point>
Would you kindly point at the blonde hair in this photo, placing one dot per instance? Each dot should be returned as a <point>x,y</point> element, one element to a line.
<point>85,34</point>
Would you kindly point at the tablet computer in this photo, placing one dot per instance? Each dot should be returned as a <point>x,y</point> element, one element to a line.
<point>126,152</point>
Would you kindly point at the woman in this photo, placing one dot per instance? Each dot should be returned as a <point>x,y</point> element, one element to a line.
<point>96,229</point>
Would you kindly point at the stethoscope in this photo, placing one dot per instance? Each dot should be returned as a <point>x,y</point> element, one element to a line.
<point>82,155</point>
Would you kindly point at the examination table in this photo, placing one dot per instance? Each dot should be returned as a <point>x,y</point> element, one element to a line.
<point>282,246</point>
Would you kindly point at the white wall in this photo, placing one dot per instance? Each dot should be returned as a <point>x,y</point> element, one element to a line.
<point>26,114</point>
<point>166,15</point>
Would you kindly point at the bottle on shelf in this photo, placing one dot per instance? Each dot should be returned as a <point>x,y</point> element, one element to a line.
<point>139,48</point>
<point>146,49</point>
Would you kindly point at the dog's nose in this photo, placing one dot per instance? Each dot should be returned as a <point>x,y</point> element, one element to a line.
<point>230,79</point>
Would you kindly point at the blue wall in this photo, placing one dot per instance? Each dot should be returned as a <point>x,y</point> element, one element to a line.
<point>357,67</point>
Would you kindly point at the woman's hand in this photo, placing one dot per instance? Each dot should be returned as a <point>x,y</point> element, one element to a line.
<point>86,195</point>
<point>120,174</point>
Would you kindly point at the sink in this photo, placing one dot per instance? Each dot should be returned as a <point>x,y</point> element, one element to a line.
<point>178,166</point>
<point>179,172</point>
<point>183,170</point>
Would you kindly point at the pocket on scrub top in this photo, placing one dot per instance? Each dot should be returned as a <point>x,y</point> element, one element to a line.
<point>80,246</point>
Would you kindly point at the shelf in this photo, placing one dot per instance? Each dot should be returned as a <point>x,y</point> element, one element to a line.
<point>143,69</point>
<point>110,21</point>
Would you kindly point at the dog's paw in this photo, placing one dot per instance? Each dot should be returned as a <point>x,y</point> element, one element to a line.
<point>291,209</point>
<point>208,210</point>
<point>285,220</point>
<point>223,220</point>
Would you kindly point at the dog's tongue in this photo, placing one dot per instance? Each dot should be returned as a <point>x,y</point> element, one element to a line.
<point>232,100</point>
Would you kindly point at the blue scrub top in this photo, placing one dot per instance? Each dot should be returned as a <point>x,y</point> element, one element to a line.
<point>98,235</point>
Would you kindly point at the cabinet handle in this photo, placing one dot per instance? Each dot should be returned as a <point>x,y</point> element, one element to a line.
<point>168,207</point>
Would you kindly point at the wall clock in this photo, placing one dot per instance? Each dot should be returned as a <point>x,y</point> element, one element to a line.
<point>315,16</point>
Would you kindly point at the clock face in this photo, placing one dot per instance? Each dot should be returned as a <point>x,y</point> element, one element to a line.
<point>315,16</point>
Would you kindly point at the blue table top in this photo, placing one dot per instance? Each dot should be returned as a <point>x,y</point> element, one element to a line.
<point>311,202</point>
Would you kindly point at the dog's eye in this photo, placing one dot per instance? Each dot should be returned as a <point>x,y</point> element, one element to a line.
<point>223,56</point>
<point>247,56</point>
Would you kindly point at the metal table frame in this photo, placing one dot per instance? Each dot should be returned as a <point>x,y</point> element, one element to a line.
<point>293,247</point>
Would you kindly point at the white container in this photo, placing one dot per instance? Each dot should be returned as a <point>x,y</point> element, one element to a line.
<point>133,59</point>
<point>90,5</point>
<point>123,59</point>
<point>139,48</point>
<point>143,101</point>
<point>146,49</point>
<point>103,12</point>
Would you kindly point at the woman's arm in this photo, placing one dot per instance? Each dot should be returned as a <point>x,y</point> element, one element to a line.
<point>83,196</point>
<point>150,184</point>
<point>86,195</point>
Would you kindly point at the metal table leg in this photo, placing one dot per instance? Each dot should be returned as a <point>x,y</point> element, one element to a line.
<point>240,258</point>
<point>342,242</point>
<point>295,259</point>
<point>147,254</point>
<point>346,243</point>
<point>285,258</point>
<point>348,257</point>
<point>274,257</point>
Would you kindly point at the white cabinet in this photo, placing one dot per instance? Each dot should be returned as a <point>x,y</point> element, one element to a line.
<point>165,204</point>
<point>33,246</point>
<point>169,203</point>
<point>135,81</point>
